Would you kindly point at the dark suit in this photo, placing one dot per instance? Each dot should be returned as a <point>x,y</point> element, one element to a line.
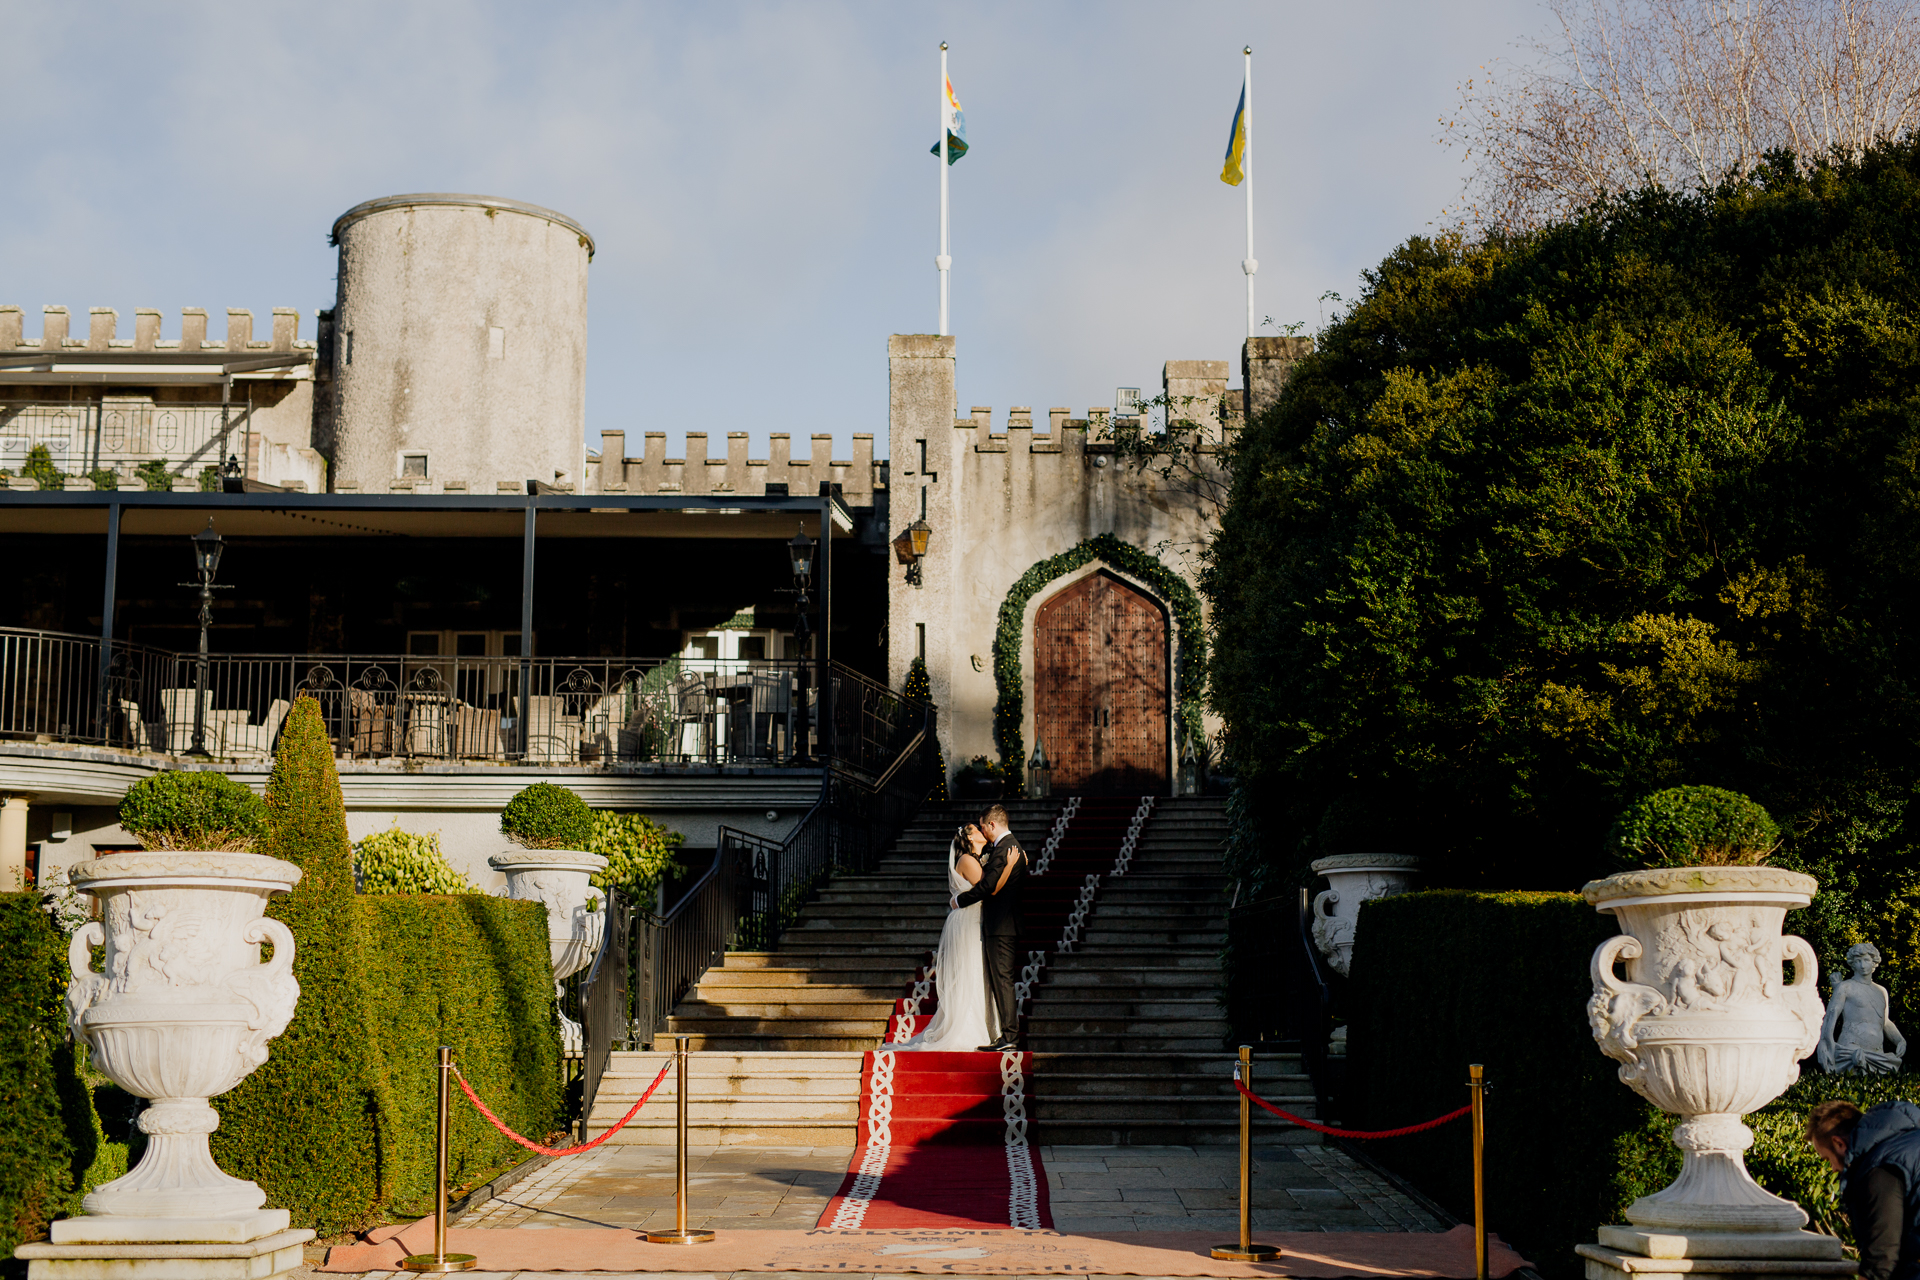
<point>1000,924</point>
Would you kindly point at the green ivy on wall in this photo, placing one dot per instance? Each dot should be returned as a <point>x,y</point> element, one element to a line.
<point>1189,659</point>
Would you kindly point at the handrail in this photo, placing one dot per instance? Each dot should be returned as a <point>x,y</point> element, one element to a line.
<point>684,943</point>
<point>606,1007</point>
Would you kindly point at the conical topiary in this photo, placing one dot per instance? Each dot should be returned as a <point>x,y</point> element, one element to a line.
<point>304,1125</point>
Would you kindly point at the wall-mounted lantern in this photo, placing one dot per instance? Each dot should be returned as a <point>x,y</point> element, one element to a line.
<point>910,547</point>
<point>1039,773</point>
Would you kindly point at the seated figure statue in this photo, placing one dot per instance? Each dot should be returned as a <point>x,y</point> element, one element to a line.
<point>1853,1038</point>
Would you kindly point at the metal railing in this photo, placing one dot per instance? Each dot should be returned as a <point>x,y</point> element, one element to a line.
<point>607,1005</point>
<point>680,946</point>
<point>121,434</point>
<point>583,711</point>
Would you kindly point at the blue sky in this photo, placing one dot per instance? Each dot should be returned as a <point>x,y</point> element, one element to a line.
<point>756,175</point>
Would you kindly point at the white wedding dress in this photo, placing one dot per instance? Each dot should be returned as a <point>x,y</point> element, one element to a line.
<point>965,1018</point>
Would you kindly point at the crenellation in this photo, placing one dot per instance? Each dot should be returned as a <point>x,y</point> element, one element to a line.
<point>693,474</point>
<point>193,329</point>
<point>286,329</point>
<point>102,324</point>
<point>146,328</point>
<point>1056,416</point>
<point>239,329</point>
<point>12,327</point>
<point>737,472</point>
<point>53,328</point>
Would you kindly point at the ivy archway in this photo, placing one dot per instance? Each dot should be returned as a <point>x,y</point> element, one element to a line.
<point>1190,650</point>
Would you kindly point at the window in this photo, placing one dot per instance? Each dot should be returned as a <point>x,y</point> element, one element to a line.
<point>423,644</point>
<point>753,648</point>
<point>346,347</point>
<point>920,638</point>
<point>413,466</point>
<point>704,647</point>
<point>470,644</point>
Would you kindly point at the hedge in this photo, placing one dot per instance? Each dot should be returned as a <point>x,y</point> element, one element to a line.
<point>472,972</point>
<point>337,1125</point>
<point>48,1136</point>
<point>1447,978</point>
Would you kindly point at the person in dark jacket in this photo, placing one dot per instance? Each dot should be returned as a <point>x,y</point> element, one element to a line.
<point>1004,867</point>
<point>1877,1155</point>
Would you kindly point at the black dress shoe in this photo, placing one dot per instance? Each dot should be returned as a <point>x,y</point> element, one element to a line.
<point>1001,1045</point>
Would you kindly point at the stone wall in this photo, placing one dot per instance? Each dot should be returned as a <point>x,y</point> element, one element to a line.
<point>702,471</point>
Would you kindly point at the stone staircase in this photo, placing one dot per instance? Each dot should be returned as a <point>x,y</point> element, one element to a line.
<point>1127,1031</point>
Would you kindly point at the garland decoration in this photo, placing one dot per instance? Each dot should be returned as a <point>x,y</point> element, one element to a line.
<point>1190,653</point>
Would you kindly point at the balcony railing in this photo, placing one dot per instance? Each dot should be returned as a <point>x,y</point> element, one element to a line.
<point>119,435</point>
<point>579,711</point>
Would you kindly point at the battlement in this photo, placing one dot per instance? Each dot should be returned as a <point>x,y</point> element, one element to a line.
<point>103,328</point>
<point>654,472</point>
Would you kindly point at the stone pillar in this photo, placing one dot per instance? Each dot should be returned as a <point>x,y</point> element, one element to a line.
<point>1193,389</point>
<point>1265,366</point>
<point>13,844</point>
<point>920,413</point>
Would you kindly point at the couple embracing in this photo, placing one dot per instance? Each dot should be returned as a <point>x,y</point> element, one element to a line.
<point>979,952</point>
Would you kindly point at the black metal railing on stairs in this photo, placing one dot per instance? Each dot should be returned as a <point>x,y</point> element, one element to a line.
<point>607,1005</point>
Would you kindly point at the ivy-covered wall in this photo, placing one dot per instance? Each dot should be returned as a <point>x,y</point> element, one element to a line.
<point>1190,643</point>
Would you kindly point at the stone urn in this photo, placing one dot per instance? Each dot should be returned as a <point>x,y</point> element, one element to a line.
<point>1356,878</point>
<point>183,1011</point>
<point>557,879</point>
<point>1706,1025</point>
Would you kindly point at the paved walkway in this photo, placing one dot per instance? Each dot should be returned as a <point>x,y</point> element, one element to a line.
<point>1092,1189</point>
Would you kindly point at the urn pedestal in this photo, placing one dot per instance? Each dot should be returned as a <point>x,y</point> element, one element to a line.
<point>181,1012</point>
<point>1355,878</point>
<point>1707,1025</point>
<point>558,880</point>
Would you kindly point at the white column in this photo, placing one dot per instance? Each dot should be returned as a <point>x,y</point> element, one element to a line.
<point>13,844</point>
<point>1251,264</point>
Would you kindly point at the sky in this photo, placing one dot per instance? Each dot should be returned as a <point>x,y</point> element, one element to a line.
<point>755,175</point>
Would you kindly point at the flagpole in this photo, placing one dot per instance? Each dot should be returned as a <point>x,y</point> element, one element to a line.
<point>945,261</point>
<point>1251,264</point>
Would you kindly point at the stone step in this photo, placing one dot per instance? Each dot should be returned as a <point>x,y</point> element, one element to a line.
<point>742,1005</point>
<point>1282,1091</point>
<point>1130,1040</point>
<point>1141,978</point>
<point>744,1040</point>
<point>1090,956</point>
<point>871,978</point>
<point>744,960</point>
<point>1099,1007</point>
<point>712,995</point>
<point>796,1026</point>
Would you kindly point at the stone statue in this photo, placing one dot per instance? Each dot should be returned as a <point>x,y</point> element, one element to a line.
<point>1853,1037</point>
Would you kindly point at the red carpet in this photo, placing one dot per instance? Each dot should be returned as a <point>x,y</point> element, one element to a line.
<point>943,1144</point>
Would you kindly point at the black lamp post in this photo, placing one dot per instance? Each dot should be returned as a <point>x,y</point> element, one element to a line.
<point>800,557</point>
<point>207,546</point>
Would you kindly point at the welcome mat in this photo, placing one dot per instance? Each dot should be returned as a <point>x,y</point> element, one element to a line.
<point>943,1144</point>
<point>1324,1255</point>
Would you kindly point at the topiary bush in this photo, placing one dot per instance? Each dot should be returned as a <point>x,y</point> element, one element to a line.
<point>303,1125</point>
<point>1693,827</point>
<point>396,861</point>
<point>920,686</point>
<point>545,816</point>
<point>48,1135</point>
<point>193,809</point>
<point>638,850</point>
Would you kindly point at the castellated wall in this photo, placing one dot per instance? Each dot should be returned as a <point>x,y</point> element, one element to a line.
<point>118,427</point>
<point>653,472</point>
<point>459,347</point>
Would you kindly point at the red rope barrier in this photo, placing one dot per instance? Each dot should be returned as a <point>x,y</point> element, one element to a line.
<point>1346,1133</point>
<point>535,1147</point>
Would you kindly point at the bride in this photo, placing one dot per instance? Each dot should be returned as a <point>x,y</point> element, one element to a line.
<point>964,1019</point>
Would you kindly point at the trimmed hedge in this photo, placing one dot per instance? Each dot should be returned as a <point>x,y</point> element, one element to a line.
<point>48,1136</point>
<point>1446,978</point>
<point>472,972</point>
<point>303,1125</point>
<point>337,1126</point>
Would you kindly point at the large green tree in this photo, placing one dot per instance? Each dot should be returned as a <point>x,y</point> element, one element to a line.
<point>1551,521</point>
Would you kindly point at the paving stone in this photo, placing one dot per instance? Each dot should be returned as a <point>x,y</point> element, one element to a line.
<point>1083,1195</point>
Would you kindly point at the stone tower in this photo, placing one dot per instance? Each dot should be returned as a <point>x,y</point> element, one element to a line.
<point>460,345</point>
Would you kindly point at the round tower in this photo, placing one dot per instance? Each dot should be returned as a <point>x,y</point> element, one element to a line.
<point>460,344</point>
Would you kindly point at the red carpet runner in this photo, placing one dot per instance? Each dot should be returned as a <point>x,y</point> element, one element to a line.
<point>943,1144</point>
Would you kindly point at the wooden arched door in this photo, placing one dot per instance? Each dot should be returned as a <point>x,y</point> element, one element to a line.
<point>1100,688</point>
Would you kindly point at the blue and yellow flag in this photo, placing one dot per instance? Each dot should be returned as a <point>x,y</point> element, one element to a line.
<point>956,127</point>
<point>1236,143</point>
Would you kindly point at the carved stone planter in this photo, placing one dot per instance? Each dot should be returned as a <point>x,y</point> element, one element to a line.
<point>1706,1026</point>
<point>557,879</point>
<point>1356,878</point>
<point>183,1011</point>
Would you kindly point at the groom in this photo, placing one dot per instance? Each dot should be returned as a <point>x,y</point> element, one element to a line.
<point>1004,867</point>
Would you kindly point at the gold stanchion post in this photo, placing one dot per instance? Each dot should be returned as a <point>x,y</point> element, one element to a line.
<point>440,1259</point>
<point>680,1234</point>
<point>1477,1088</point>
<point>1246,1250</point>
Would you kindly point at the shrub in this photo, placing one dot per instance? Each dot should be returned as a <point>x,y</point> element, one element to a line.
<point>48,1137</point>
<point>396,861</point>
<point>303,1125</point>
<point>638,850</point>
<point>155,473</point>
<point>1693,827</point>
<point>41,470</point>
<point>104,478</point>
<point>920,686</point>
<point>545,816</point>
<point>473,972</point>
<point>1444,979</point>
<point>181,809</point>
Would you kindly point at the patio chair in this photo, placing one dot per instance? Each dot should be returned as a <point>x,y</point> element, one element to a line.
<point>476,731</point>
<point>255,741</point>
<point>771,726</point>
<point>552,734</point>
<point>692,703</point>
<point>372,724</point>
<point>178,706</point>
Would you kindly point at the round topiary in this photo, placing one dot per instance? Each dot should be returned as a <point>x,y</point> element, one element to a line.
<point>396,861</point>
<point>179,809</point>
<point>545,816</point>
<point>1693,827</point>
